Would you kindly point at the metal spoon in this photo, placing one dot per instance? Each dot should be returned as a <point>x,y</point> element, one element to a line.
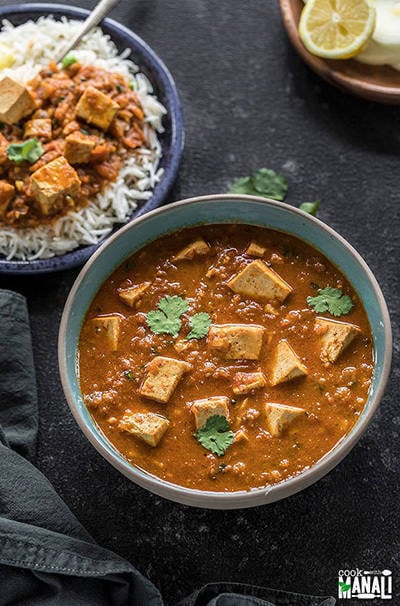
<point>96,15</point>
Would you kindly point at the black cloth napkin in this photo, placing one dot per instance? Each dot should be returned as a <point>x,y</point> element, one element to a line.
<point>47,558</point>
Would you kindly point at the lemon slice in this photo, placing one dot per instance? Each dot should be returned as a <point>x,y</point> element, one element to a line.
<point>6,56</point>
<point>336,29</point>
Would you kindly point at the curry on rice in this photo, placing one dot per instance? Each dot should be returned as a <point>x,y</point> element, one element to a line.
<point>226,357</point>
<point>63,138</point>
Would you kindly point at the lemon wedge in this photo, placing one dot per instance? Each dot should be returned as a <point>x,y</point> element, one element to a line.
<point>6,56</point>
<point>336,29</point>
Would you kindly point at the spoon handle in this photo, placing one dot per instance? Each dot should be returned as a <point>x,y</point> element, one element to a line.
<point>97,14</point>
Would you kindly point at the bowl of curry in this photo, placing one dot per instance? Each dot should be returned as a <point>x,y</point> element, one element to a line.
<point>225,351</point>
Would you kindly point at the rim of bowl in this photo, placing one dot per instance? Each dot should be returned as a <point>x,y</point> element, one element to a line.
<point>242,498</point>
<point>80,255</point>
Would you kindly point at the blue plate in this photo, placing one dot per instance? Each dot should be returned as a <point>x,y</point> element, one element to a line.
<point>172,139</point>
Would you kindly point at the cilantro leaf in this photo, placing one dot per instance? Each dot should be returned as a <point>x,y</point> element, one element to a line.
<point>199,323</point>
<point>173,307</point>
<point>28,151</point>
<point>263,182</point>
<point>216,436</point>
<point>166,319</point>
<point>68,60</point>
<point>331,300</point>
<point>310,207</point>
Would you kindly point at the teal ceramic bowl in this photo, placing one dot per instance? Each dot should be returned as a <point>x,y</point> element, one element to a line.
<point>208,210</point>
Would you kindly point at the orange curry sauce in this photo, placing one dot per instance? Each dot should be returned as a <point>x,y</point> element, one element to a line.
<point>332,394</point>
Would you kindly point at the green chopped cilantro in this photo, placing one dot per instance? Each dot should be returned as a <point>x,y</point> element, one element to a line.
<point>264,182</point>
<point>68,61</point>
<point>216,436</point>
<point>332,300</point>
<point>167,318</point>
<point>310,207</point>
<point>132,85</point>
<point>28,151</point>
<point>199,323</point>
<point>128,375</point>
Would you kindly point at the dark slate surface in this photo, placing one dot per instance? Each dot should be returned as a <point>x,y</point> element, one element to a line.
<point>249,102</point>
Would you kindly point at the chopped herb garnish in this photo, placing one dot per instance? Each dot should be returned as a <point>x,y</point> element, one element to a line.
<point>310,207</point>
<point>166,319</point>
<point>199,323</point>
<point>28,151</point>
<point>68,61</point>
<point>120,88</point>
<point>154,351</point>
<point>216,436</point>
<point>264,182</point>
<point>132,85</point>
<point>128,375</point>
<point>331,300</point>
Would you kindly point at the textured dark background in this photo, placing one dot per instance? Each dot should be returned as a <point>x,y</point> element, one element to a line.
<point>249,102</point>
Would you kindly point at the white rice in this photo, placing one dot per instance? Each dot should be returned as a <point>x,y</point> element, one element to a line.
<point>34,45</point>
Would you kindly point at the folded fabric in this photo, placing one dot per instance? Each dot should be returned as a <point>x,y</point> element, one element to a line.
<point>241,594</point>
<point>46,556</point>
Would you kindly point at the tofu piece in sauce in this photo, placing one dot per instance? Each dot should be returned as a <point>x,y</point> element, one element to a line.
<point>287,365</point>
<point>78,148</point>
<point>335,337</point>
<point>162,377</point>
<point>244,382</point>
<point>147,426</point>
<point>16,102</point>
<point>237,341</point>
<point>108,327</point>
<point>52,182</point>
<point>39,128</point>
<point>7,191</point>
<point>279,417</point>
<point>208,407</point>
<point>96,108</point>
<point>197,247</point>
<point>258,281</point>
<point>3,149</point>
<point>255,250</point>
<point>130,296</point>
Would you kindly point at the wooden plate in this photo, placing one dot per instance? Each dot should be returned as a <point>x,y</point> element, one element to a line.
<point>373,82</point>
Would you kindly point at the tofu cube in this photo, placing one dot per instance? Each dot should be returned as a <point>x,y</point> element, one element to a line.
<point>237,341</point>
<point>335,336</point>
<point>255,250</point>
<point>3,149</point>
<point>258,281</point>
<point>279,416</point>
<point>78,148</point>
<point>287,364</point>
<point>39,127</point>
<point>147,426</point>
<point>96,108</point>
<point>204,409</point>
<point>197,247</point>
<point>16,102</point>
<point>6,193</point>
<point>108,328</point>
<point>52,182</point>
<point>162,377</point>
<point>130,296</point>
<point>244,382</point>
